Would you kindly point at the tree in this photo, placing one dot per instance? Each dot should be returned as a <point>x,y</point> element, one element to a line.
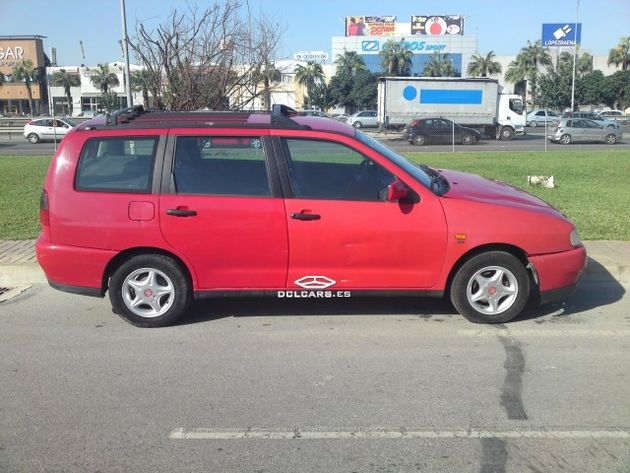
<point>439,65</point>
<point>616,90</point>
<point>353,92</point>
<point>269,75</point>
<point>141,82</point>
<point>620,54</point>
<point>309,76</point>
<point>396,58</point>
<point>103,79</point>
<point>207,57</point>
<point>591,86</point>
<point>67,80</point>
<point>27,72</point>
<point>483,66</point>
<point>526,64</point>
<point>349,63</point>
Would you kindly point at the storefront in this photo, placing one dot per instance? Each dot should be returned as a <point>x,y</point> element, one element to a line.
<point>16,51</point>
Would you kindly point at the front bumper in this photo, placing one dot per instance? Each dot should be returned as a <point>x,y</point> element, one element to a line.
<point>558,273</point>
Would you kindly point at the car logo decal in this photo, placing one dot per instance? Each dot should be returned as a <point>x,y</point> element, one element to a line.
<point>315,282</point>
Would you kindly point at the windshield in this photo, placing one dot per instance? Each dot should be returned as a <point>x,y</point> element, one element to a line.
<point>425,175</point>
<point>516,105</point>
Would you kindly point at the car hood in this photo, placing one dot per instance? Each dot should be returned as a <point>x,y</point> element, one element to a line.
<point>475,188</point>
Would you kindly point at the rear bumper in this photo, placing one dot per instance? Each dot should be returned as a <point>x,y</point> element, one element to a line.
<point>73,269</point>
<point>558,272</point>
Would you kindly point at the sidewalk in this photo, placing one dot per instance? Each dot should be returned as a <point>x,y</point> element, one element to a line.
<point>608,261</point>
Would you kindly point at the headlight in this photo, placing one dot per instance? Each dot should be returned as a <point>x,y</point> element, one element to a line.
<point>575,238</point>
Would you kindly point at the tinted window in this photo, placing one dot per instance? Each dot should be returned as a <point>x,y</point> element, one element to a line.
<point>327,170</point>
<point>221,166</point>
<point>516,105</point>
<point>117,164</point>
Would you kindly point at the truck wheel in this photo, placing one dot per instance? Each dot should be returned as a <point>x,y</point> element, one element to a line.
<point>611,139</point>
<point>150,290</point>
<point>491,288</point>
<point>468,139</point>
<point>507,133</point>
<point>565,139</point>
<point>418,140</point>
<point>33,138</point>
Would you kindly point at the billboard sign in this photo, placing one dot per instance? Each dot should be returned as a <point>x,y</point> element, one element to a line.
<point>561,34</point>
<point>370,25</point>
<point>374,46</point>
<point>310,56</point>
<point>437,25</point>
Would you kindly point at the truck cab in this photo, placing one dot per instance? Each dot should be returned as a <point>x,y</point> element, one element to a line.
<point>511,116</point>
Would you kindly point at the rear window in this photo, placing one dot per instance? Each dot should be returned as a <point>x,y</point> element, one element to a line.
<point>117,164</point>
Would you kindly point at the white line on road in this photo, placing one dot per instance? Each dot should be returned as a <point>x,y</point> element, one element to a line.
<point>489,332</point>
<point>297,434</point>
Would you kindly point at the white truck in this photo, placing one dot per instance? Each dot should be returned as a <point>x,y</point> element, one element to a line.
<point>475,103</point>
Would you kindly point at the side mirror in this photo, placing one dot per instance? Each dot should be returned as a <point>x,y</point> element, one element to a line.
<point>396,191</point>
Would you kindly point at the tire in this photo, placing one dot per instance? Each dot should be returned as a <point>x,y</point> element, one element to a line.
<point>480,298</point>
<point>565,139</point>
<point>418,140</point>
<point>357,124</point>
<point>468,139</point>
<point>506,133</point>
<point>33,138</point>
<point>611,139</point>
<point>150,273</point>
<point>533,123</point>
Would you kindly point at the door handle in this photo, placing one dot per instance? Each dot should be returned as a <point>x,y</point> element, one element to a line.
<point>303,216</point>
<point>181,212</point>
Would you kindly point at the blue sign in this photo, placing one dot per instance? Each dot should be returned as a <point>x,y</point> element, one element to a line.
<point>561,34</point>
<point>444,96</point>
<point>370,46</point>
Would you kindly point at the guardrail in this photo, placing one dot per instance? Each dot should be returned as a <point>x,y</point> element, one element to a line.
<point>12,133</point>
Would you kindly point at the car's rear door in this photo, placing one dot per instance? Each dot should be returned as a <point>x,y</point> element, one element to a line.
<point>221,209</point>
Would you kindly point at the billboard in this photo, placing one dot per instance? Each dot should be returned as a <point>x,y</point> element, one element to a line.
<point>310,56</point>
<point>561,34</point>
<point>437,25</point>
<point>370,25</point>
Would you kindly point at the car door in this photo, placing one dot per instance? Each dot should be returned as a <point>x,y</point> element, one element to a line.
<point>443,131</point>
<point>222,210</point>
<point>343,233</point>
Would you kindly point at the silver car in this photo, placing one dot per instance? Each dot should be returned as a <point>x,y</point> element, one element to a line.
<point>363,119</point>
<point>47,129</point>
<point>539,117</point>
<point>571,130</point>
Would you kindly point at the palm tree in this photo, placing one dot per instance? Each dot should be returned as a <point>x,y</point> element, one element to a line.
<point>440,65</point>
<point>65,79</point>
<point>525,66</point>
<point>396,58</point>
<point>349,63</point>
<point>103,79</point>
<point>141,82</point>
<point>620,54</point>
<point>28,73</point>
<point>483,66</point>
<point>309,76</point>
<point>269,75</point>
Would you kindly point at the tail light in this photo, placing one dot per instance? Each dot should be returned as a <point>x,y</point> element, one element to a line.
<point>44,216</point>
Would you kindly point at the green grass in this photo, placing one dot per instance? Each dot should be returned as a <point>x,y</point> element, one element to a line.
<point>592,187</point>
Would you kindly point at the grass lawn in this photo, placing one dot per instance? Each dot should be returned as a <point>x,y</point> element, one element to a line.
<point>592,187</point>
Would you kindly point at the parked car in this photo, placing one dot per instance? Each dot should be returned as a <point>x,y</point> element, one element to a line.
<point>571,130</point>
<point>215,204</point>
<point>616,115</point>
<point>313,113</point>
<point>540,117</point>
<point>438,131</point>
<point>47,129</point>
<point>610,124</point>
<point>366,119</point>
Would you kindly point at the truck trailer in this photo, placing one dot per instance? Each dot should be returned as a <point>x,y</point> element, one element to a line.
<point>475,103</point>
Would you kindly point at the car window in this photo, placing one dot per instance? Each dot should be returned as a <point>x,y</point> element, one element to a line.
<point>552,114</point>
<point>221,165</point>
<point>540,114</point>
<point>117,164</point>
<point>326,170</point>
<point>516,105</point>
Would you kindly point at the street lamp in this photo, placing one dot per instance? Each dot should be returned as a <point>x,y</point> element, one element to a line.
<point>125,40</point>
<point>577,14</point>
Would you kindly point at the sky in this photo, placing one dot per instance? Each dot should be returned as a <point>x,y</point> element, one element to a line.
<point>502,26</point>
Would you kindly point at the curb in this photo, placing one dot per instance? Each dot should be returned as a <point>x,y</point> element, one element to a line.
<point>21,274</point>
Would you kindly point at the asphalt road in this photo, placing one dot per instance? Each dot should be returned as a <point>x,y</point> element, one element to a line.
<point>370,385</point>
<point>532,141</point>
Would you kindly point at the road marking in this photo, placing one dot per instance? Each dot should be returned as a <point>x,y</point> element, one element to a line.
<point>489,332</point>
<point>298,434</point>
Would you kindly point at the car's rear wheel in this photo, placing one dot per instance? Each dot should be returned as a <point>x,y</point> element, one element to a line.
<point>611,139</point>
<point>533,123</point>
<point>418,140</point>
<point>491,287</point>
<point>357,124</point>
<point>33,138</point>
<point>507,133</point>
<point>150,290</point>
<point>565,139</point>
<point>468,139</point>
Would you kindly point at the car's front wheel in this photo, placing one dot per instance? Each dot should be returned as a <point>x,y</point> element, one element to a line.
<point>491,287</point>
<point>533,123</point>
<point>150,290</point>
<point>357,124</point>
<point>33,138</point>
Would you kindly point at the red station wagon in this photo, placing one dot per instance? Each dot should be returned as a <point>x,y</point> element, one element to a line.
<point>160,208</point>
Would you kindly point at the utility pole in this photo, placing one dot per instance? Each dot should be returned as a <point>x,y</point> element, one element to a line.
<point>125,39</point>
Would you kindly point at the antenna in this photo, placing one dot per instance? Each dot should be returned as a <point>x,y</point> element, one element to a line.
<point>82,51</point>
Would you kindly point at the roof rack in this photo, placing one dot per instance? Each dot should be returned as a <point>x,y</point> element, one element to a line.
<point>124,115</point>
